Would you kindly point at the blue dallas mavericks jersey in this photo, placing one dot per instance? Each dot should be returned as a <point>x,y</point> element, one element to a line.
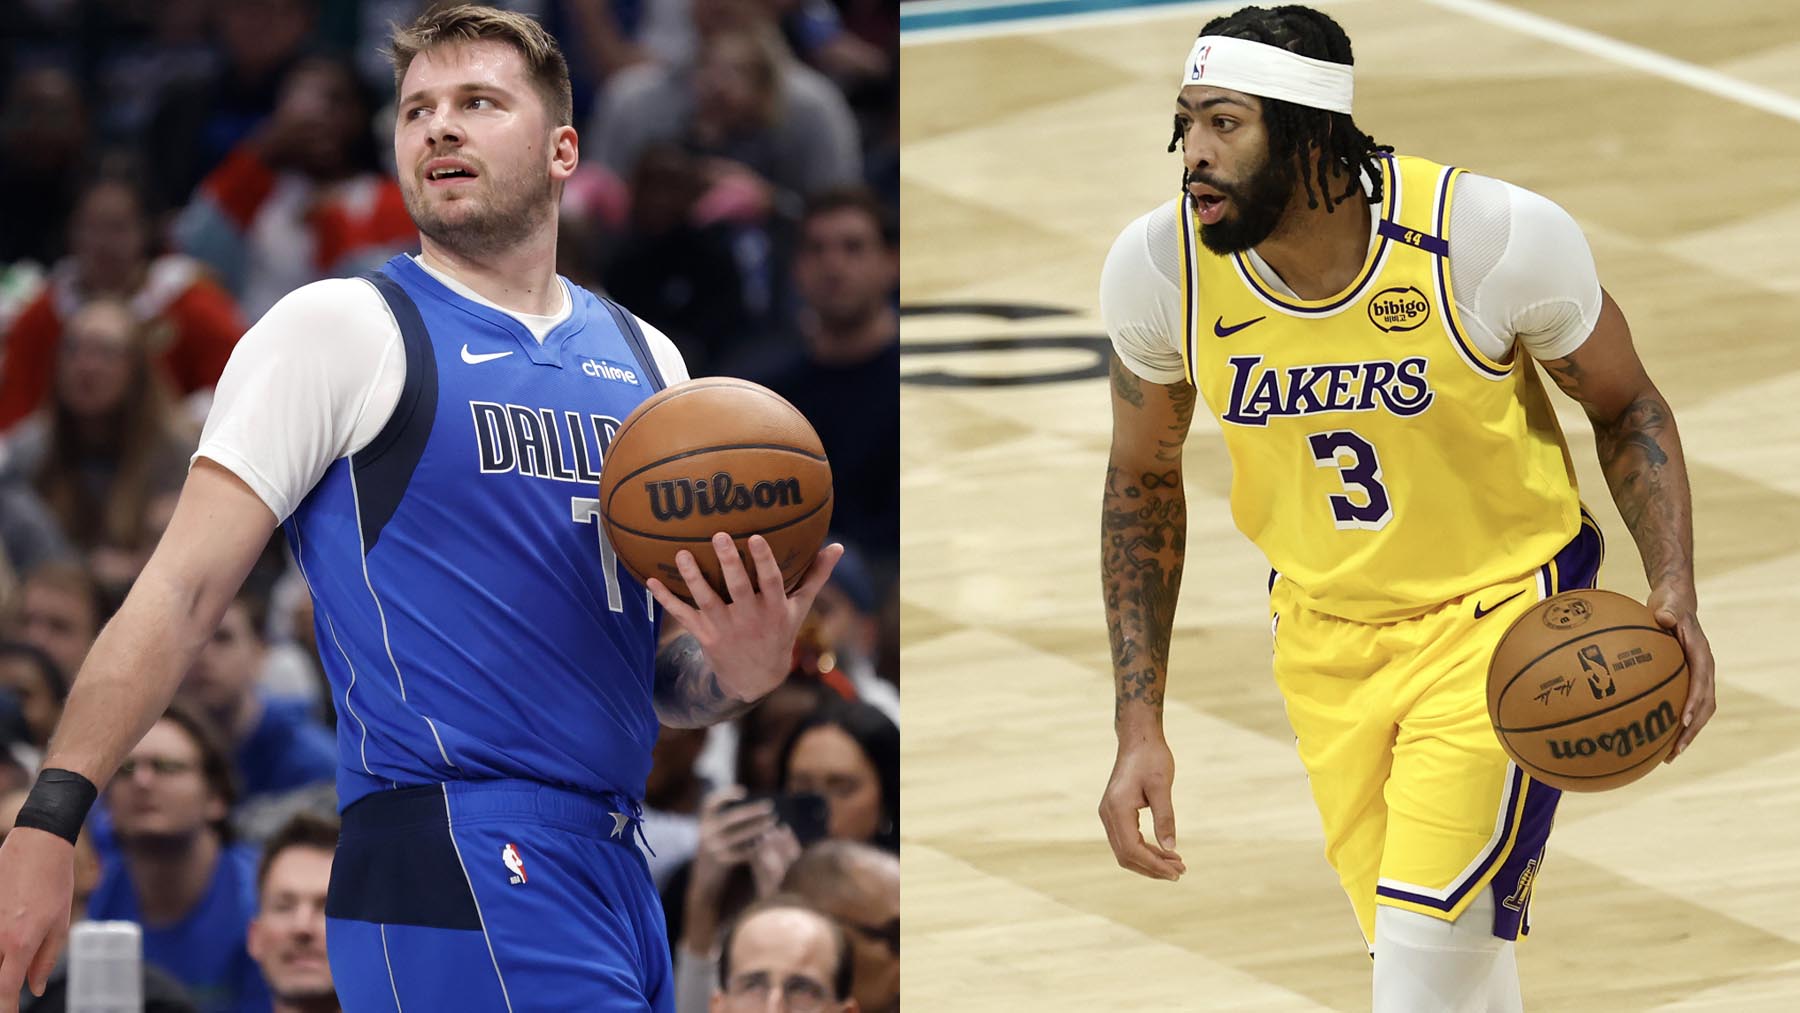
<point>471,620</point>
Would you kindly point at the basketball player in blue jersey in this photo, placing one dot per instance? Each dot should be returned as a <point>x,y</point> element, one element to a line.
<point>429,439</point>
<point>1362,325</point>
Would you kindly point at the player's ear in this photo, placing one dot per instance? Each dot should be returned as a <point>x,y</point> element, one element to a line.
<point>565,152</point>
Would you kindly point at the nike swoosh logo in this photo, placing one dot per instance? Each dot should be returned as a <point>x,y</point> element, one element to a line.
<point>1222,331</point>
<point>1479,611</point>
<point>472,359</point>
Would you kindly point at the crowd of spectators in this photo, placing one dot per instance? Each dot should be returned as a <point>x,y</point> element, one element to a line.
<point>171,168</point>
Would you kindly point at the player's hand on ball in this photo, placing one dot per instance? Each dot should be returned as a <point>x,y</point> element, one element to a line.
<point>1675,611</point>
<point>1143,774</point>
<point>749,640</point>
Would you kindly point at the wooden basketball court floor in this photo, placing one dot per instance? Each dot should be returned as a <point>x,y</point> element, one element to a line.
<point>1672,132</point>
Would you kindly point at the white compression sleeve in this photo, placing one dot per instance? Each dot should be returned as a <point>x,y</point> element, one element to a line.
<point>1425,963</point>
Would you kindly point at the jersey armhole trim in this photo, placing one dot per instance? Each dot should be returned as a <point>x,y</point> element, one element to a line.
<point>386,465</point>
<point>634,336</point>
<point>1477,360</point>
<point>1190,295</point>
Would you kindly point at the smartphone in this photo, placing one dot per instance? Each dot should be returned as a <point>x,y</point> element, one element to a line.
<point>808,815</point>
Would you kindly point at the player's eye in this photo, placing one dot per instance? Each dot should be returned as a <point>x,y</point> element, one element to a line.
<point>476,103</point>
<point>1224,124</point>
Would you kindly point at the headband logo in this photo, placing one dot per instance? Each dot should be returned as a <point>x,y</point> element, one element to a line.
<point>1200,62</point>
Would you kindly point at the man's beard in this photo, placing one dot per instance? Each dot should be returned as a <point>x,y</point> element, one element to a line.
<point>310,1000</point>
<point>848,315</point>
<point>1256,205</point>
<point>515,209</point>
<point>158,844</point>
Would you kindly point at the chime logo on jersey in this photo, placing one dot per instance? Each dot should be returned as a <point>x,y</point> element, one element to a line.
<point>1399,309</point>
<point>1259,393</point>
<point>609,371</point>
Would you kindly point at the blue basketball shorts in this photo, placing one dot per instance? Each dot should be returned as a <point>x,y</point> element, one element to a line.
<point>494,896</point>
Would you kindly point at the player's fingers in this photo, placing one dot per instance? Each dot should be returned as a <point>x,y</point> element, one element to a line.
<point>1129,846</point>
<point>816,576</point>
<point>672,604</point>
<point>1162,813</point>
<point>731,565</point>
<point>705,598</point>
<point>1136,855</point>
<point>38,974</point>
<point>12,979</point>
<point>1703,706</point>
<point>768,572</point>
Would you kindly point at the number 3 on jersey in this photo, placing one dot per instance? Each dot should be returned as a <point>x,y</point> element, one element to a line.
<point>1366,506</point>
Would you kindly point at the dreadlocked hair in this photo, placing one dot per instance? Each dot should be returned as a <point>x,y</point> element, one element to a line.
<point>1294,128</point>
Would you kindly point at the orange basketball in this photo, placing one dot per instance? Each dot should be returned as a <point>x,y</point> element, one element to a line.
<point>1586,691</point>
<point>712,455</point>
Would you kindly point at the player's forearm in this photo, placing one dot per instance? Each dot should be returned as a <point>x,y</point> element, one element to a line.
<point>1143,543</point>
<point>687,692</point>
<point>1640,452</point>
<point>129,677</point>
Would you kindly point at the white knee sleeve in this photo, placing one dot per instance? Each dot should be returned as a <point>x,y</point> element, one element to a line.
<point>1428,965</point>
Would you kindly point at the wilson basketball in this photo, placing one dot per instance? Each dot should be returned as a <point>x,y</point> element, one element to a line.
<point>1586,691</point>
<point>711,455</point>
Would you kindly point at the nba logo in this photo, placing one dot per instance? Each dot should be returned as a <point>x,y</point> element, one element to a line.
<point>1200,63</point>
<point>510,855</point>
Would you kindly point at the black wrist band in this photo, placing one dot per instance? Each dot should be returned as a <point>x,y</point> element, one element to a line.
<point>58,803</point>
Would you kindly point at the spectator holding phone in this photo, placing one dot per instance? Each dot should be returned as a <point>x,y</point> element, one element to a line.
<point>744,852</point>
<point>849,752</point>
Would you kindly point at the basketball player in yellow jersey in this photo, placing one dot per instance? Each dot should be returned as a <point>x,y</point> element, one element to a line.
<point>1362,326</point>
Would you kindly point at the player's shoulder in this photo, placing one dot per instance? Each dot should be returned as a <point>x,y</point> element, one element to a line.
<point>1148,242</point>
<point>352,303</point>
<point>1488,203</point>
<point>1138,232</point>
<point>340,321</point>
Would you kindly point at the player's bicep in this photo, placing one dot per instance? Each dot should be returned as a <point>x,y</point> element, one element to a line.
<point>1604,374</point>
<point>219,528</point>
<point>1150,420</point>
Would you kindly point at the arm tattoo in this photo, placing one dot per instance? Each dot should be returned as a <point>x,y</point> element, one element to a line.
<point>1143,532</point>
<point>1640,452</point>
<point>1126,384</point>
<point>686,692</point>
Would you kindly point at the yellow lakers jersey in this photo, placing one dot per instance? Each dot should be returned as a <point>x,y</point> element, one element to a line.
<point>1380,460</point>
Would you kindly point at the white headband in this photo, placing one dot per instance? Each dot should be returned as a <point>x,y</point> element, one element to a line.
<point>1269,72</point>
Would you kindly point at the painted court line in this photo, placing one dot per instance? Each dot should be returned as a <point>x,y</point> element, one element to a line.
<point>1624,53</point>
<point>959,20</point>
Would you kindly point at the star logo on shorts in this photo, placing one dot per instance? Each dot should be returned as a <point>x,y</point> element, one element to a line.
<point>619,822</point>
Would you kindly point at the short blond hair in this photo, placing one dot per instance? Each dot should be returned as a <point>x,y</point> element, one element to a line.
<point>464,23</point>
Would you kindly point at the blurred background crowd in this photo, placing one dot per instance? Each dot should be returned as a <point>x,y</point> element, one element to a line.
<point>171,168</point>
